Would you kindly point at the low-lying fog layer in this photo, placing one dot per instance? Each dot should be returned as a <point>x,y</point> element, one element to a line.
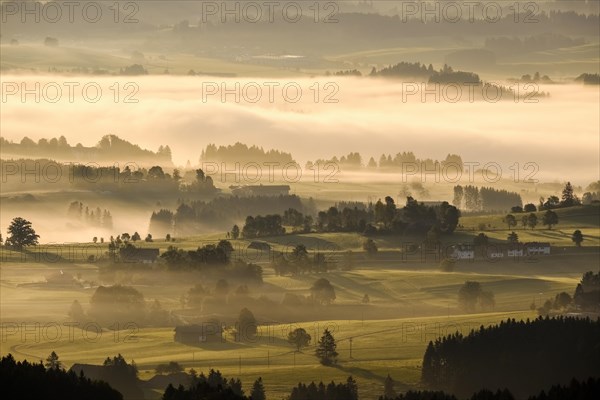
<point>332,116</point>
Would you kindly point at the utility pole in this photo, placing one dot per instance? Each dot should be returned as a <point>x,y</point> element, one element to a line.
<point>350,348</point>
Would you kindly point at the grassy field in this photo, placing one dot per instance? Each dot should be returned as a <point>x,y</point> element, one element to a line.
<point>411,302</point>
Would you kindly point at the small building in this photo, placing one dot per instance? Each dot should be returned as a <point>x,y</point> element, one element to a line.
<point>515,250</point>
<point>537,248</point>
<point>463,252</point>
<point>260,190</point>
<point>207,332</point>
<point>262,246</point>
<point>495,253</point>
<point>138,255</point>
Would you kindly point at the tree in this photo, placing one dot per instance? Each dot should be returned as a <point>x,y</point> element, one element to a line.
<point>513,238</point>
<point>481,240</point>
<point>21,234</point>
<point>469,294</point>
<point>577,238</point>
<point>550,218</point>
<point>530,207</point>
<point>148,238</point>
<point>366,299</point>
<point>52,361</point>
<point>370,247</point>
<point>510,220</point>
<point>235,232</point>
<point>247,326</point>
<point>135,237</point>
<point>322,291</point>
<point>569,198</point>
<point>258,390</point>
<point>388,388</point>
<point>76,311</point>
<point>125,237</point>
<point>516,209</point>
<point>168,237</point>
<point>326,349</point>
<point>95,239</point>
<point>532,220</point>
<point>299,338</point>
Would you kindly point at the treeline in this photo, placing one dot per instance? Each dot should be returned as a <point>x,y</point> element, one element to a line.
<point>214,261</point>
<point>97,218</point>
<point>331,391</point>
<point>472,198</point>
<point>221,212</point>
<point>242,153</point>
<point>108,149</point>
<point>504,45</point>
<point>589,79</point>
<point>131,179</point>
<point>22,379</point>
<point>585,389</point>
<point>521,356</point>
<point>381,217</point>
<point>417,70</point>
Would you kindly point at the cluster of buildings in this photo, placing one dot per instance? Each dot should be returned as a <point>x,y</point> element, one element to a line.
<point>499,251</point>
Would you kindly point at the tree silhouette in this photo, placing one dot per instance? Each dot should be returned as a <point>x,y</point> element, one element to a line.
<point>235,232</point>
<point>299,338</point>
<point>577,238</point>
<point>510,220</point>
<point>322,291</point>
<point>326,349</point>
<point>21,234</point>
<point>513,237</point>
<point>532,220</point>
<point>550,218</point>
<point>258,390</point>
<point>52,361</point>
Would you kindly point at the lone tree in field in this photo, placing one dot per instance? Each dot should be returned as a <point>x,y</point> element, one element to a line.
<point>299,338</point>
<point>469,294</point>
<point>550,218</point>
<point>247,326</point>
<point>577,238</point>
<point>326,349</point>
<point>235,232</point>
<point>370,247</point>
<point>513,238</point>
<point>510,220</point>
<point>322,291</point>
<point>21,234</point>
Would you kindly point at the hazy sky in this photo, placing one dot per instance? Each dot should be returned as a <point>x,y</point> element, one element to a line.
<point>560,133</point>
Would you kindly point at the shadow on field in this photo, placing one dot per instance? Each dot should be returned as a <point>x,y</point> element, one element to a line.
<point>366,374</point>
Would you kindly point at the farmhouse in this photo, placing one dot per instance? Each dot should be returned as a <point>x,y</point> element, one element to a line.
<point>207,332</point>
<point>463,252</point>
<point>537,248</point>
<point>138,255</point>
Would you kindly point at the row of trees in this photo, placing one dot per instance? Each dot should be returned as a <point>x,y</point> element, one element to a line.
<point>549,219</point>
<point>472,198</point>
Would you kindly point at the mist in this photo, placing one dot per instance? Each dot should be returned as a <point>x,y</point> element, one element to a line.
<point>371,116</point>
